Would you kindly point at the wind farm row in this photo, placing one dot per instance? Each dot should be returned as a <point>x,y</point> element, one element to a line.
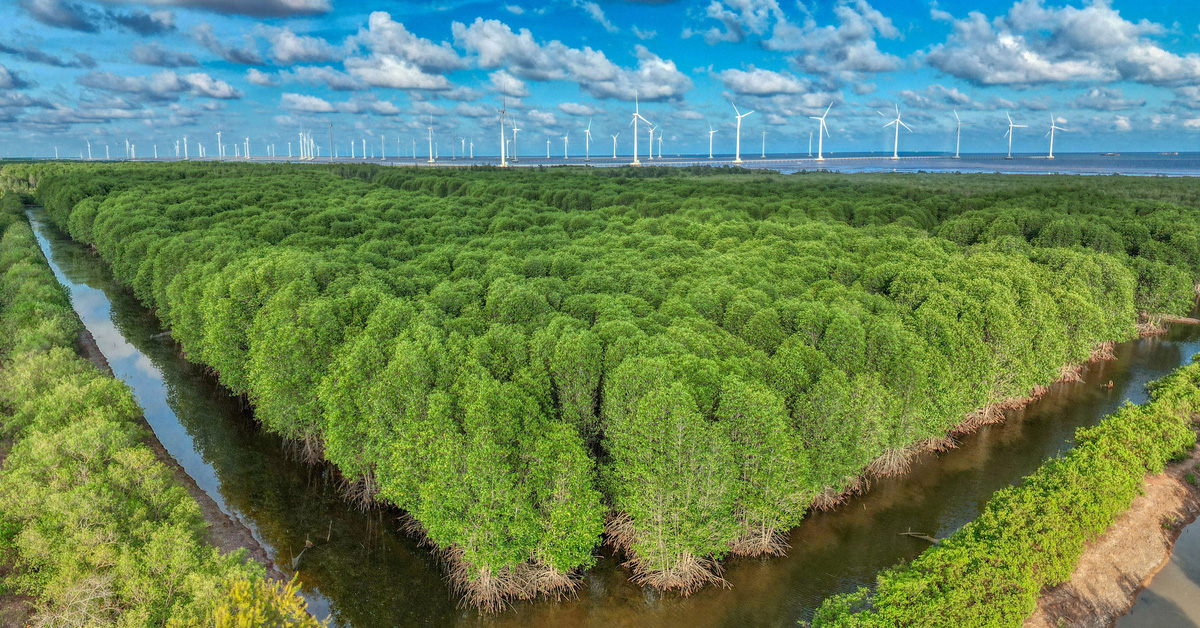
<point>308,148</point>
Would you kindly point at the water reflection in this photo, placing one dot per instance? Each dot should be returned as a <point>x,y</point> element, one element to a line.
<point>366,574</point>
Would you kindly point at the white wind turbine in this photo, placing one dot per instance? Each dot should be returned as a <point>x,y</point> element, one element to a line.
<point>247,148</point>
<point>810,143</point>
<point>1050,133</point>
<point>737,153</point>
<point>430,129</point>
<point>651,151</point>
<point>220,147</point>
<point>587,142</point>
<point>821,129</point>
<point>710,134</point>
<point>1009,134</point>
<point>636,116</point>
<point>764,146</point>
<point>660,136</point>
<point>89,143</point>
<point>957,133</point>
<point>547,148</point>
<point>565,147</point>
<point>615,145</point>
<point>185,149</point>
<point>503,111</point>
<point>897,123</point>
<point>513,154</point>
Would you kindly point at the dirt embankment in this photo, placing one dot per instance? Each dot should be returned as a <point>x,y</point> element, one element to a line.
<point>224,532</point>
<point>1117,565</point>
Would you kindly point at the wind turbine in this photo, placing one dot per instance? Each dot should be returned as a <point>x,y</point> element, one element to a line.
<point>514,140</point>
<point>615,145</point>
<point>220,147</point>
<point>185,150</point>
<point>764,146</point>
<point>651,151</point>
<point>897,123</point>
<point>176,149</point>
<point>821,129</point>
<point>1009,134</point>
<point>430,128</point>
<point>89,143</point>
<point>810,143</point>
<point>156,151</point>
<point>660,136</point>
<point>503,111</point>
<point>472,145</point>
<point>382,147</point>
<point>1053,127</point>
<point>587,141</point>
<point>710,134</point>
<point>957,133</point>
<point>56,153</point>
<point>565,138</point>
<point>636,116</point>
<point>106,155</point>
<point>547,148</point>
<point>737,153</point>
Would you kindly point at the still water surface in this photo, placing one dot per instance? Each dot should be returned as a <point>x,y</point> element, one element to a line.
<point>363,572</point>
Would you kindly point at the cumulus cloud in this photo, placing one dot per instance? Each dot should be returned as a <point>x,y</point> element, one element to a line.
<point>255,77</point>
<point>508,85</point>
<point>324,75</point>
<point>514,9</point>
<point>11,80</point>
<point>163,86</point>
<point>495,45</point>
<point>311,104</point>
<point>253,8</point>
<point>1033,44</point>
<point>399,59</point>
<point>287,47</point>
<point>759,82</point>
<point>577,109</point>
<point>34,55</point>
<point>842,50</point>
<point>543,119</point>
<point>88,19</point>
<point>936,97</point>
<point>246,55</point>
<point>738,19</point>
<point>1122,124</point>
<point>1107,99</point>
<point>142,23</point>
<point>154,54</point>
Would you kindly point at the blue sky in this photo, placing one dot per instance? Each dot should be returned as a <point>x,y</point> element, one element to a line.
<point>1120,76</point>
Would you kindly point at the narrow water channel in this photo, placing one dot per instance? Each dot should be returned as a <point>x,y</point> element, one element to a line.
<point>362,572</point>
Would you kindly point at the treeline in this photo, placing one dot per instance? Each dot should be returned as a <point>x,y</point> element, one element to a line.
<point>92,526</point>
<point>1031,536</point>
<point>518,359</point>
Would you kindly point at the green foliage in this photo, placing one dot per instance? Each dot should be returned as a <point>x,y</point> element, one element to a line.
<point>99,530</point>
<point>1031,536</point>
<point>507,355</point>
<point>254,602</point>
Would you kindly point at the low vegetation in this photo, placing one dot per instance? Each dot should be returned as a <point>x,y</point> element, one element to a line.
<point>95,528</point>
<point>1030,536</point>
<point>685,363</point>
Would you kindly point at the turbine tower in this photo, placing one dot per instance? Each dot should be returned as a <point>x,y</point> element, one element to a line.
<point>1009,134</point>
<point>587,141</point>
<point>430,128</point>
<point>565,138</point>
<point>547,148</point>
<point>660,136</point>
<point>503,111</point>
<point>651,151</point>
<point>1050,133</point>
<point>710,134</point>
<point>636,116</point>
<point>764,146</point>
<point>89,143</point>
<point>247,148</point>
<point>185,151</point>
<point>957,133</point>
<point>513,154</point>
<point>821,138</point>
<point>615,145</point>
<point>810,143</point>
<point>897,123</point>
<point>737,153</point>
<point>220,147</point>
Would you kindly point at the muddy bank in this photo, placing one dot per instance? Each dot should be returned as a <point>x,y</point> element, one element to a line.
<point>224,532</point>
<point>1117,565</point>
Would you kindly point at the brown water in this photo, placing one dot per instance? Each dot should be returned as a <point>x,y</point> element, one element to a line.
<point>1173,597</point>
<point>363,572</point>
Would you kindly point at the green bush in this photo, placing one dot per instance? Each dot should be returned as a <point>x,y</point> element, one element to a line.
<point>1031,536</point>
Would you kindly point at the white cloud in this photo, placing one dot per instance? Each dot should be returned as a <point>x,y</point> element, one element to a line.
<point>759,82</point>
<point>312,104</point>
<point>1034,44</point>
<point>508,85</point>
<point>738,18</point>
<point>936,97</point>
<point>596,13</point>
<point>260,78</point>
<point>287,48</point>
<point>542,118</point>
<point>495,45</point>
<point>643,35</point>
<point>163,86</point>
<point>246,55</point>
<point>308,104</point>
<point>400,60</point>
<point>323,75</point>
<point>514,9</point>
<point>577,109</point>
<point>840,51</point>
<point>1106,99</point>
<point>1121,123</point>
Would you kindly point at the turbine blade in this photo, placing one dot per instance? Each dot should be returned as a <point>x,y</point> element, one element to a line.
<point>904,125</point>
<point>750,112</point>
<point>827,109</point>
<point>735,110</point>
<point>956,118</point>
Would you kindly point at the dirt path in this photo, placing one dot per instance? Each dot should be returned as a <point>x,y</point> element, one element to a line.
<point>224,532</point>
<point>1120,563</point>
